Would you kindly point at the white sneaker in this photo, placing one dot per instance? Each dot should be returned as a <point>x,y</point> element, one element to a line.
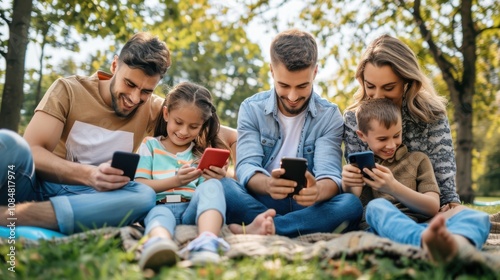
<point>205,249</point>
<point>158,252</point>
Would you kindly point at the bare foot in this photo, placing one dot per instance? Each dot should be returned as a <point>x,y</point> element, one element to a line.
<point>263,224</point>
<point>438,242</point>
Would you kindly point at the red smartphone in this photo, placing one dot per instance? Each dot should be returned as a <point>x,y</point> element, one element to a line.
<point>213,156</point>
<point>295,170</point>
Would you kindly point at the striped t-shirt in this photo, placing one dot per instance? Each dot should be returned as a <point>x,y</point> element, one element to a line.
<point>158,163</point>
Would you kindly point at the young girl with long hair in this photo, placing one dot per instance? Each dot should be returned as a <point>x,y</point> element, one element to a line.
<point>187,126</point>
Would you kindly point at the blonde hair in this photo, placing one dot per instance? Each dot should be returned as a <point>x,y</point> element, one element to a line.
<point>421,98</point>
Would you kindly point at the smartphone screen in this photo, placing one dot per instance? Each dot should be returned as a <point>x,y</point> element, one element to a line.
<point>127,162</point>
<point>213,156</point>
<point>362,160</point>
<point>295,170</point>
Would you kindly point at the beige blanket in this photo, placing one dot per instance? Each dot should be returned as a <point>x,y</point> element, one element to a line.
<point>306,247</point>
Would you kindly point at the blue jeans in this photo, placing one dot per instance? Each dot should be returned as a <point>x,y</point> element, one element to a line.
<point>388,221</point>
<point>291,218</point>
<point>207,196</point>
<point>77,208</point>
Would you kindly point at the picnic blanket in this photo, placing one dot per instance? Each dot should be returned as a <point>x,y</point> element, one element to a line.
<point>305,247</point>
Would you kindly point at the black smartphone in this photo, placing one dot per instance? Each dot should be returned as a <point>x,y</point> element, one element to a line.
<point>362,160</point>
<point>295,170</point>
<point>127,162</point>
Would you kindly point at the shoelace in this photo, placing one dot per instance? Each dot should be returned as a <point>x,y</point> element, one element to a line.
<point>206,242</point>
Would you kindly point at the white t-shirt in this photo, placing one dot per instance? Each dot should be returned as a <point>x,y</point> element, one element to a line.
<point>290,131</point>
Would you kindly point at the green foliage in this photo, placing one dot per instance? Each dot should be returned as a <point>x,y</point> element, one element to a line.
<point>214,53</point>
<point>206,48</point>
<point>94,258</point>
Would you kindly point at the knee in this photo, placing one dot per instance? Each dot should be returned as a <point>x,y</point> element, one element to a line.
<point>350,201</point>
<point>479,218</point>
<point>230,187</point>
<point>374,207</point>
<point>376,204</point>
<point>210,189</point>
<point>14,145</point>
<point>211,185</point>
<point>140,196</point>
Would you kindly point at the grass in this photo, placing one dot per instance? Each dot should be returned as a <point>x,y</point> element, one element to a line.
<point>488,198</point>
<point>104,258</point>
<point>488,209</point>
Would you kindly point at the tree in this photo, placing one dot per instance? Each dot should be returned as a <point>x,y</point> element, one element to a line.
<point>14,54</point>
<point>53,20</point>
<point>205,49</point>
<point>446,34</point>
<point>213,51</point>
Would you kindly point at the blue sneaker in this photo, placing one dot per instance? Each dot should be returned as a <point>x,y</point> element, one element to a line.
<point>158,252</point>
<point>29,232</point>
<point>205,249</point>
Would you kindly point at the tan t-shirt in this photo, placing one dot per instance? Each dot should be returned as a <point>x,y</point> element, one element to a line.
<point>92,131</point>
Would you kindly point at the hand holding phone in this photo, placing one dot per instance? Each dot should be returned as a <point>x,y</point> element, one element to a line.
<point>126,162</point>
<point>295,170</point>
<point>362,160</point>
<point>213,156</point>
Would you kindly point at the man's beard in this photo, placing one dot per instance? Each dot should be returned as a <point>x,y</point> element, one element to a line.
<point>294,111</point>
<point>114,102</point>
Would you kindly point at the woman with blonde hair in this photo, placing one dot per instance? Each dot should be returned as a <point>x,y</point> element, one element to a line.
<point>389,69</point>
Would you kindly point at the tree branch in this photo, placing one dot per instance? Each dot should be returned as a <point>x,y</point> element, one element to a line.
<point>256,13</point>
<point>453,22</point>
<point>488,28</point>
<point>445,66</point>
<point>2,16</point>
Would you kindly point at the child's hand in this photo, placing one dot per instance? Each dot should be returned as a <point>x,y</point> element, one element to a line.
<point>186,174</point>
<point>214,172</point>
<point>351,177</point>
<point>382,179</point>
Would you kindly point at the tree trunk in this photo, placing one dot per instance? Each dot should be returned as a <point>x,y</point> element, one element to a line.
<point>463,108</point>
<point>12,97</point>
<point>461,86</point>
<point>463,119</point>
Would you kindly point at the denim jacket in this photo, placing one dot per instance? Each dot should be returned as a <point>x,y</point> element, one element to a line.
<point>260,137</point>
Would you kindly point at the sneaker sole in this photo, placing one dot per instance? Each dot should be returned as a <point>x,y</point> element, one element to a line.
<point>158,257</point>
<point>204,257</point>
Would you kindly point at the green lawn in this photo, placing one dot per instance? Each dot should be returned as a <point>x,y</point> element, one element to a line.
<point>488,209</point>
<point>101,258</point>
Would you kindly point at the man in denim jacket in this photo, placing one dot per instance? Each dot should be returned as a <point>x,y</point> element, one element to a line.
<point>289,120</point>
